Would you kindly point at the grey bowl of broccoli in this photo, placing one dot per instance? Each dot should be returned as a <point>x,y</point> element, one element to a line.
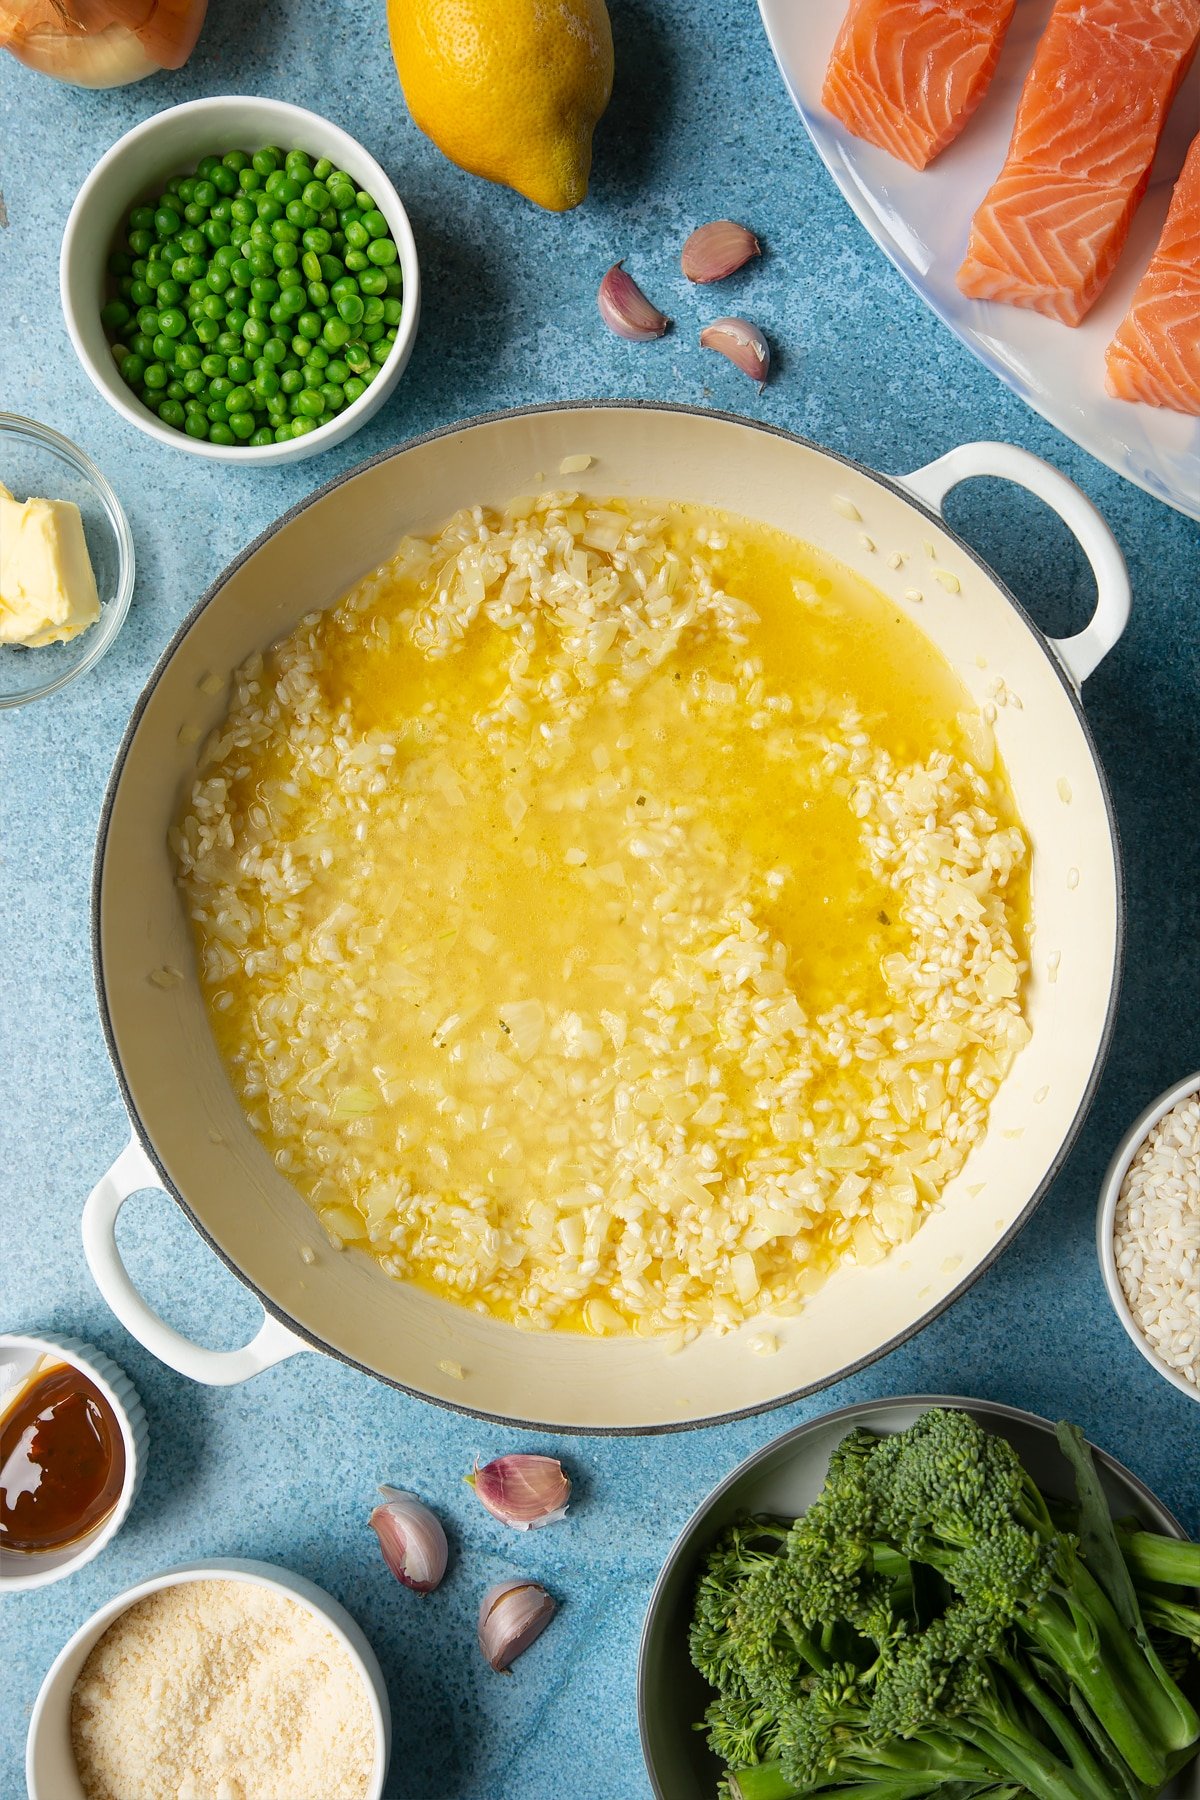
<point>929,1596</point>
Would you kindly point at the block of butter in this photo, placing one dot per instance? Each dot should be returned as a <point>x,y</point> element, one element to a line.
<point>47,585</point>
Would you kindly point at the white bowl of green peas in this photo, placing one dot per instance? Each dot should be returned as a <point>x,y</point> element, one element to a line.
<point>240,281</point>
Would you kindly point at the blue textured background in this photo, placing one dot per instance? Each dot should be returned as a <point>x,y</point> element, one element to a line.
<point>285,1467</point>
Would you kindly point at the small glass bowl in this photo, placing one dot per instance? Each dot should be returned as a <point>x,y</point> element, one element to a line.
<point>34,460</point>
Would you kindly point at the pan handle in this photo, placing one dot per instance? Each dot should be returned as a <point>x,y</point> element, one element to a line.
<point>1082,654</point>
<point>130,1174</point>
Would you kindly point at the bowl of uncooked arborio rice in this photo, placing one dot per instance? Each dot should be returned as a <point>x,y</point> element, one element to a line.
<point>218,1681</point>
<point>1148,1234</point>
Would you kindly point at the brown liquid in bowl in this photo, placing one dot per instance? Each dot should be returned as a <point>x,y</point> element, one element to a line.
<point>62,1462</point>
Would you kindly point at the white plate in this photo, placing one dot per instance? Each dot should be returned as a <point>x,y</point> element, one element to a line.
<point>921,219</point>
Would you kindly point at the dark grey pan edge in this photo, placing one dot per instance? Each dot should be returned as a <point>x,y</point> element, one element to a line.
<point>566,1428</point>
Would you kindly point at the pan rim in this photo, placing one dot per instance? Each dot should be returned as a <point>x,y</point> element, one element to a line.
<point>141,1130</point>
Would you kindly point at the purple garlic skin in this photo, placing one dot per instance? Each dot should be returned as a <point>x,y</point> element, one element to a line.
<point>717,250</point>
<point>511,1615</point>
<point>626,310</point>
<point>744,345</point>
<point>411,1538</point>
<point>523,1491</point>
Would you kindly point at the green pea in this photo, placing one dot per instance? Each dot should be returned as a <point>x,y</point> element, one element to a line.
<point>266,161</point>
<point>375,223</point>
<point>188,356</point>
<point>239,369</point>
<point>302,427</point>
<point>163,347</point>
<point>216,232</point>
<point>189,268</point>
<point>300,346</point>
<point>332,268</point>
<point>318,294</point>
<point>193,214</point>
<point>382,251</point>
<point>329,220</point>
<point>171,413</point>
<point>358,357</point>
<point>196,425</point>
<point>256,331</point>
<point>357,260</point>
<point>336,333</point>
<point>258,309</point>
<point>114,315</point>
<point>224,180</point>
<point>142,218</point>
<point>220,387</point>
<point>333,396</point>
<point>288,189</point>
<point>341,191</point>
<point>140,242</point>
<point>280,314</point>
<point>317,358</point>
<point>270,210</point>
<point>310,405</point>
<point>249,180</point>
<point>266,384</point>
<point>371,334</point>
<point>239,235</point>
<point>243,212</point>
<point>345,284</point>
<point>140,344</point>
<point>318,241</point>
<point>380,351</point>
<point>350,309</point>
<point>166,222</point>
<point>289,278</point>
<point>373,281</point>
<point>263,288</point>
<point>395,277</point>
<point>284,232</point>
<point>242,273</point>
<point>229,343</point>
<point>278,407</point>
<point>301,217</point>
<point>236,317</point>
<point>337,369</point>
<point>221,210</point>
<point>392,310</point>
<point>219,433</point>
<point>261,262</point>
<point>274,350</point>
<point>286,256</point>
<point>141,293</point>
<point>291,381</point>
<point>354,389</point>
<point>207,330</point>
<point>170,292</point>
<point>193,243</point>
<point>176,390</point>
<point>218,279</point>
<point>172,323</point>
<point>239,400</point>
<point>283,433</point>
<point>357,235</point>
<point>264,435</point>
<point>309,325</point>
<point>310,263</point>
<point>147,318</point>
<point>322,169</point>
<point>156,375</point>
<point>196,382</point>
<point>133,368</point>
<point>217,412</point>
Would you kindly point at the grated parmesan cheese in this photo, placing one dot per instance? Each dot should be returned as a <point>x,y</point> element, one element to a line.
<point>221,1690</point>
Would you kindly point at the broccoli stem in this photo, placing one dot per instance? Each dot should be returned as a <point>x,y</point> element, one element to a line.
<point>1152,1557</point>
<point>1079,1753</point>
<point>1161,1613</point>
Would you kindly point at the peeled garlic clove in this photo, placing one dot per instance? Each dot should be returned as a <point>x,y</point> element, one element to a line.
<point>715,251</point>
<point>744,345</point>
<point>523,1491</point>
<point>626,310</point>
<point>411,1538</point>
<point>511,1615</point>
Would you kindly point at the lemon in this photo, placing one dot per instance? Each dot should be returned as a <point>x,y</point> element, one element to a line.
<point>508,89</point>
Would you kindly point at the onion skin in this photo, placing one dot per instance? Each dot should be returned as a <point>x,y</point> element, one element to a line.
<point>511,1615</point>
<point>626,310</point>
<point>523,1491</point>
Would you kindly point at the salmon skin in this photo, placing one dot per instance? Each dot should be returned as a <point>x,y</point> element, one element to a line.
<point>1050,230</point>
<point>1155,355</point>
<point>908,74</point>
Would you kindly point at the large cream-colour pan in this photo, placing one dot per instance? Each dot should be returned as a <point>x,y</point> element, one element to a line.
<point>190,1136</point>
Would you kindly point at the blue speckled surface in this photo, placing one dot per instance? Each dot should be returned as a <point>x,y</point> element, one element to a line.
<point>285,1467</point>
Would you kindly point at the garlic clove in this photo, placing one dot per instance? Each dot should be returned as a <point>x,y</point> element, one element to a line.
<point>717,250</point>
<point>511,1615</point>
<point>626,310</point>
<point>523,1491</point>
<point>411,1538</point>
<point>744,345</point>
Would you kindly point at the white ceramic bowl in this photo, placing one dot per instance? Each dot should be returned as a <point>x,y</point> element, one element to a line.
<point>172,143</point>
<point>50,1772</point>
<point>19,1355</point>
<point>1110,1192</point>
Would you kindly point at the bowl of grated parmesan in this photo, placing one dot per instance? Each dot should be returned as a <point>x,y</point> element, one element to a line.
<point>221,1680</point>
<point>1148,1234</point>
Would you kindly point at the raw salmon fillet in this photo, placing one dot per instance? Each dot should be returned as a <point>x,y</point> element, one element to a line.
<point>1155,355</point>
<point>1050,231</point>
<point>908,74</point>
